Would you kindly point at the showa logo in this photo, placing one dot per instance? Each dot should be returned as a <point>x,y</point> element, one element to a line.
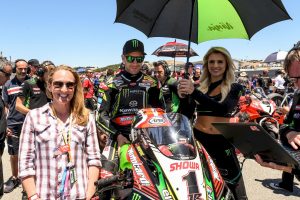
<point>220,27</point>
<point>183,165</point>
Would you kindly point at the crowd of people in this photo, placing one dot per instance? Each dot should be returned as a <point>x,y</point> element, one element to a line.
<point>56,121</point>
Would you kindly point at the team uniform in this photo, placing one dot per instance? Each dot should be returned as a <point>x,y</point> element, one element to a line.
<point>34,93</point>
<point>125,95</point>
<point>169,90</point>
<point>10,92</point>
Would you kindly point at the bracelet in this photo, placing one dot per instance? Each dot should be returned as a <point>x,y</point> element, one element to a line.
<point>34,197</point>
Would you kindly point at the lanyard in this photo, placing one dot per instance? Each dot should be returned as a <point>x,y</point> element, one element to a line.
<point>67,137</point>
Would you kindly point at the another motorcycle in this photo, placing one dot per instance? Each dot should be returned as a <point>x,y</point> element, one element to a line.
<point>257,107</point>
<point>167,163</point>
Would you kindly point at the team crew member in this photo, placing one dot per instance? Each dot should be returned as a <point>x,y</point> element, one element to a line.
<point>127,92</point>
<point>196,77</point>
<point>5,73</point>
<point>33,65</point>
<point>290,131</point>
<point>59,152</point>
<point>15,119</point>
<point>34,93</point>
<point>168,85</point>
<point>216,98</point>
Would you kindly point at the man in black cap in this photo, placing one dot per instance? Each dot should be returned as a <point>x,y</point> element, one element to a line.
<point>127,92</point>
<point>33,65</point>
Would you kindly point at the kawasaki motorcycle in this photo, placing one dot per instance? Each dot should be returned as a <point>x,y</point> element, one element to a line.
<point>165,162</point>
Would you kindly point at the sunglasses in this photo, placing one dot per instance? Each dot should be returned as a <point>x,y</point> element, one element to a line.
<point>60,84</point>
<point>138,59</point>
<point>5,73</point>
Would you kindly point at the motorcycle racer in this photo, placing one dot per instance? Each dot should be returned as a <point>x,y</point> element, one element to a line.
<point>127,92</point>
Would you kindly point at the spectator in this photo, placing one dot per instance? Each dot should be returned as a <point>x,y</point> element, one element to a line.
<point>264,81</point>
<point>60,140</point>
<point>244,81</point>
<point>88,90</point>
<point>5,73</point>
<point>279,82</point>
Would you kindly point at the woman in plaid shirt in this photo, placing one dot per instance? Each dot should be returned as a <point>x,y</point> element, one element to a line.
<point>59,156</point>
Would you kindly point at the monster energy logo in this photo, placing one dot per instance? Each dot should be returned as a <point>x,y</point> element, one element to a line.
<point>135,43</point>
<point>136,196</point>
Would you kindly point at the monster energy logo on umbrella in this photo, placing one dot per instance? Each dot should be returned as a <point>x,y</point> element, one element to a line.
<point>135,43</point>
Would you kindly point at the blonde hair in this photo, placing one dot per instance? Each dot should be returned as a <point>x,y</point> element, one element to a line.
<point>78,110</point>
<point>228,78</point>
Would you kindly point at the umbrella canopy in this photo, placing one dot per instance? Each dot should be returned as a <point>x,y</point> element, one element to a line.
<point>276,57</point>
<point>200,20</point>
<point>174,49</point>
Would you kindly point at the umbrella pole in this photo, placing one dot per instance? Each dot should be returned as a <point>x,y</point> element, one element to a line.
<point>190,36</point>
<point>174,64</point>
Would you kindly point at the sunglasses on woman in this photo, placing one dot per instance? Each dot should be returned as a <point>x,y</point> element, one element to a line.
<point>138,59</point>
<point>60,84</point>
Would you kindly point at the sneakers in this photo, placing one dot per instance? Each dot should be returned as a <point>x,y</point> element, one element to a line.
<point>277,186</point>
<point>11,184</point>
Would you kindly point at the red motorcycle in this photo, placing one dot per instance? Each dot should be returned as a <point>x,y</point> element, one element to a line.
<point>257,107</point>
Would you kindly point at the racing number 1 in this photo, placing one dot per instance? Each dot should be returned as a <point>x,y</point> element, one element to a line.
<point>193,189</point>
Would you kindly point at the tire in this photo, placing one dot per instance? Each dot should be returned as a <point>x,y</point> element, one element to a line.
<point>277,98</point>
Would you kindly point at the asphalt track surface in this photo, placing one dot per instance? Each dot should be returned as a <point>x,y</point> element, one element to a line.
<point>256,179</point>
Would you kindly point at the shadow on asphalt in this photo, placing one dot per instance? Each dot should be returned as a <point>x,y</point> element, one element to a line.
<point>266,183</point>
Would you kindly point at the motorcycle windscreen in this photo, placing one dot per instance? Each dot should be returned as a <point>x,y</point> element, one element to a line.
<point>174,141</point>
<point>259,93</point>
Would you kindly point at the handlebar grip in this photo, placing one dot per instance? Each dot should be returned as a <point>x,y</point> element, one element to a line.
<point>106,181</point>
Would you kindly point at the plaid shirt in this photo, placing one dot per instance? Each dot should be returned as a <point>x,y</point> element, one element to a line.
<point>40,136</point>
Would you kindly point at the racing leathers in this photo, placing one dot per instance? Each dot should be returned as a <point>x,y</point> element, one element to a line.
<point>125,95</point>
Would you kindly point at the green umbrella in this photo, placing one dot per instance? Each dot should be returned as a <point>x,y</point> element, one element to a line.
<point>200,20</point>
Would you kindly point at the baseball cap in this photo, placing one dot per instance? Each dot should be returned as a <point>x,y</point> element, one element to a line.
<point>132,46</point>
<point>34,62</point>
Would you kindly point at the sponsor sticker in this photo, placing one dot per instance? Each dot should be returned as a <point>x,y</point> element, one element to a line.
<point>156,120</point>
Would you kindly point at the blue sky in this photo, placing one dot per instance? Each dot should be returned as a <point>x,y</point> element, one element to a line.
<point>83,33</point>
